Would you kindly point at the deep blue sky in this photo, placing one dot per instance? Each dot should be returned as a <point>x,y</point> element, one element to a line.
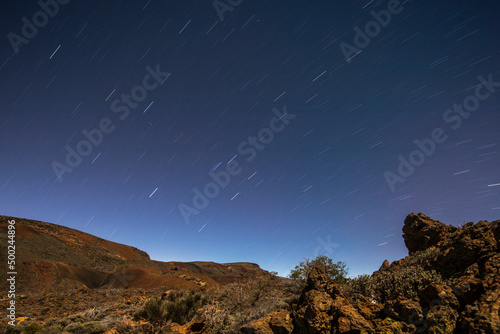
<point>318,186</point>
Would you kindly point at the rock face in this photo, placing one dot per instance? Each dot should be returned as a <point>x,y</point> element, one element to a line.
<point>467,301</point>
<point>323,308</point>
<point>195,326</point>
<point>421,232</point>
<point>469,260</point>
<point>462,251</point>
<point>277,322</point>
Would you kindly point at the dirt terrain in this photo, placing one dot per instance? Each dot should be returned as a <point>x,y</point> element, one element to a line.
<point>61,271</point>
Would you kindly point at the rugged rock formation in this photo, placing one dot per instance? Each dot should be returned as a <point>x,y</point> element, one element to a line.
<point>322,308</point>
<point>465,300</point>
<point>450,282</point>
<point>195,326</point>
<point>421,232</point>
<point>277,322</point>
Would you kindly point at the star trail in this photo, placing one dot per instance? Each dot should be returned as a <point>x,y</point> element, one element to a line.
<point>256,131</point>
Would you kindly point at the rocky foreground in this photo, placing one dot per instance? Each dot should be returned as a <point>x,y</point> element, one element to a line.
<point>464,264</point>
<point>77,283</point>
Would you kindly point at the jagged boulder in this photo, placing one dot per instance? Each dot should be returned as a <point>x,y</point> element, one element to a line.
<point>422,232</point>
<point>313,313</point>
<point>323,308</point>
<point>402,309</point>
<point>277,322</point>
<point>281,323</point>
<point>482,316</point>
<point>346,319</point>
<point>438,294</point>
<point>391,326</point>
<point>472,244</point>
<point>441,319</point>
<point>450,283</point>
<point>195,326</point>
<point>468,289</point>
<point>369,309</point>
<point>490,271</point>
<point>462,251</point>
<point>385,265</point>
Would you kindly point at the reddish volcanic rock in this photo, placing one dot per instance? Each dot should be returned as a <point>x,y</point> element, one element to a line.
<point>422,232</point>
<point>449,283</point>
<point>323,308</point>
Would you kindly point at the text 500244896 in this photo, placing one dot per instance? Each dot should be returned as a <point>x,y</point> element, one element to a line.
<point>11,273</point>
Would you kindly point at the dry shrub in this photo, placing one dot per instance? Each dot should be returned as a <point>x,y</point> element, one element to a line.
<point>153,311</point>
<point>233,305</point>
<point>179,306</point>
<point>182,306</point>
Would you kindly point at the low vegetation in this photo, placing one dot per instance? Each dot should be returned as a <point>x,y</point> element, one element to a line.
<point>405,280</point>
<point>336,271</point>
<point>236,304</point>
<point>177,306</point>
<point>225,308</point>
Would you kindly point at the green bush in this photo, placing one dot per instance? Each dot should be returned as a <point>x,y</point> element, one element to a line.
<point>153,311</point>
<point>54,329</point>
<point>75,327</point>
<point>424,259</point>
<point>12,330</point>
<point>358,287</point>
<point>181,306</point>
<point>336,271</point>
<point>404,282</point>
<point>93,327</point>
<point>74,318</point>
<point>405,278</point>
<point>53,325</point>
<point>31,329</point>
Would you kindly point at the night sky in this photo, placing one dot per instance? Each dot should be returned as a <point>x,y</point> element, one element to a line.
<point>256,131</point>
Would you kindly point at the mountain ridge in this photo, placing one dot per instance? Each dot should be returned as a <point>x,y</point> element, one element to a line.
<point>49,254</point>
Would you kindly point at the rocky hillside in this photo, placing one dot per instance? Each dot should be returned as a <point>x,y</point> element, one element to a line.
<point>450,283</point>
<point>54,257</point>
